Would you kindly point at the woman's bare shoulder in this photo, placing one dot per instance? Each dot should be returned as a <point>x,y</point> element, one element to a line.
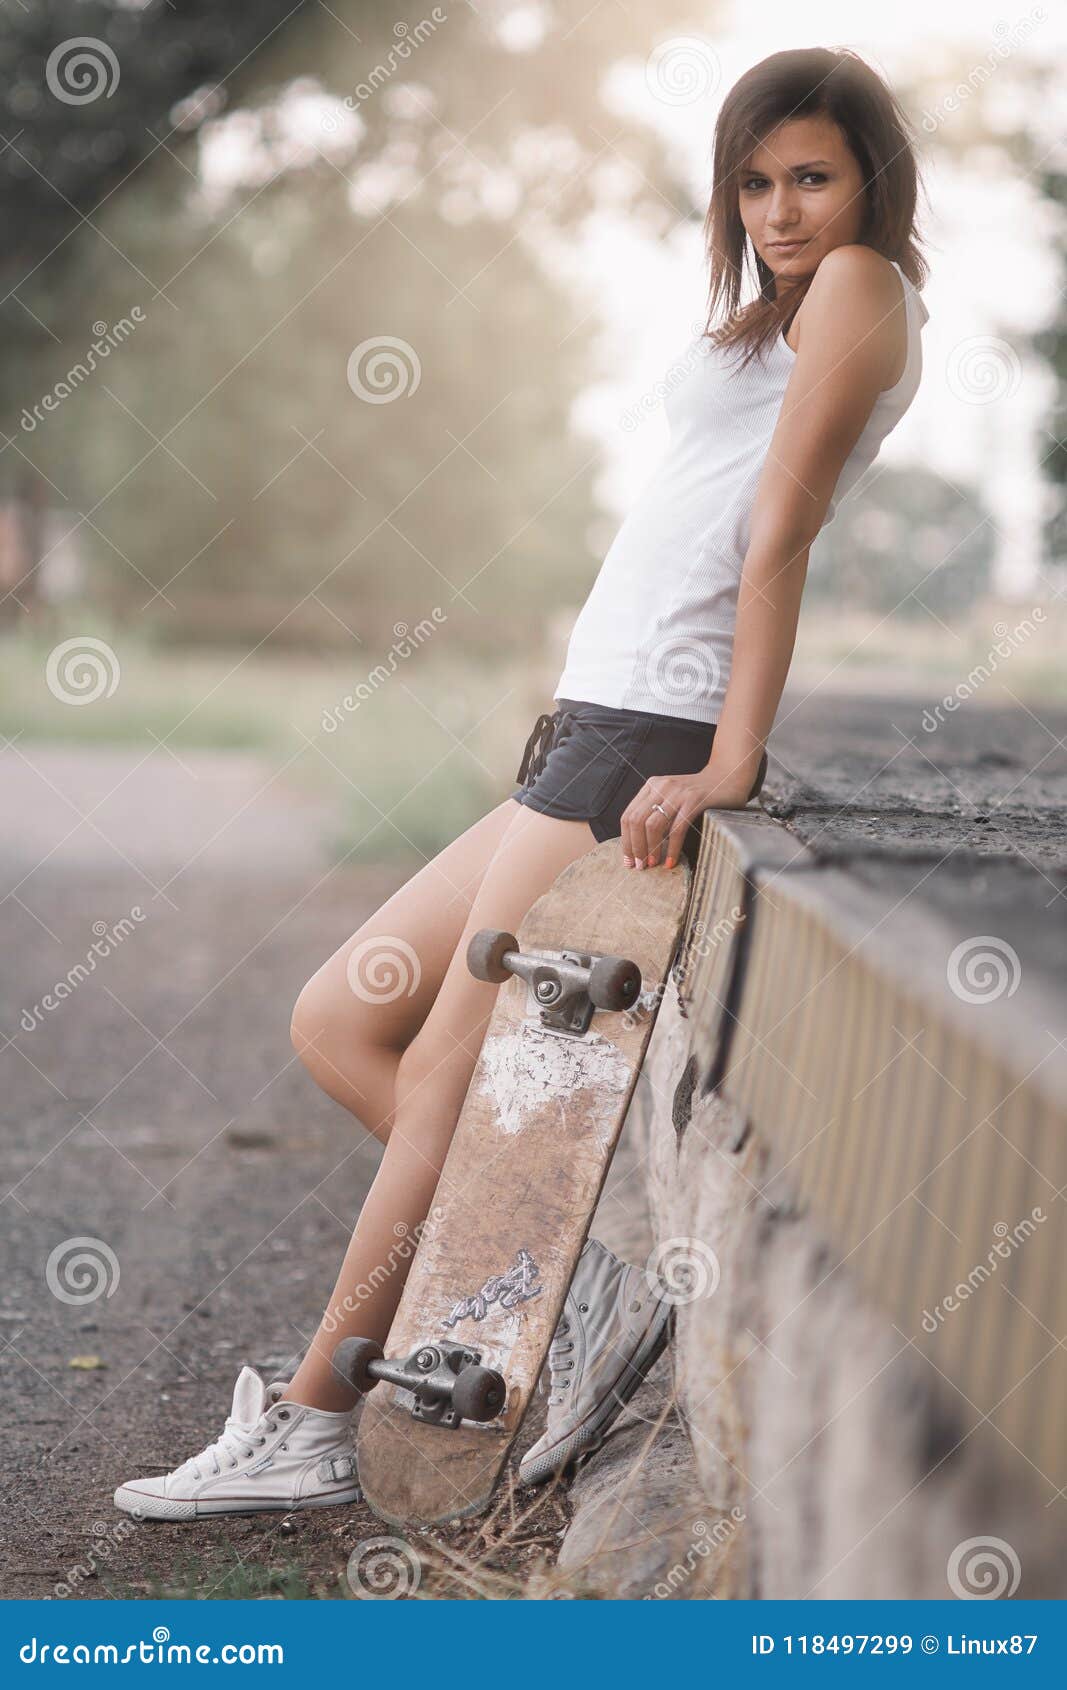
<point>857,281</point>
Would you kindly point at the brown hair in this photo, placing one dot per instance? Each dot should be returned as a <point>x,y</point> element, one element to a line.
<point>806,82</point>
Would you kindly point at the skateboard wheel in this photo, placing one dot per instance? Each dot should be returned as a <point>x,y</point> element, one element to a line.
<point>478,1393</point>
<point>351,1360</point>
<point>614,982</point>
<point>485,955</point>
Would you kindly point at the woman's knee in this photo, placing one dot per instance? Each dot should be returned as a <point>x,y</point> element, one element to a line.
<point>321,1027</point>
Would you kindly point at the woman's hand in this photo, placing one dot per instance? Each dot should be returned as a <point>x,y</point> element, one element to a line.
<point>646,829</point>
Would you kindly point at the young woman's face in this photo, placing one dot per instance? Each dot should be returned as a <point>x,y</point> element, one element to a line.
<point>801,184</point>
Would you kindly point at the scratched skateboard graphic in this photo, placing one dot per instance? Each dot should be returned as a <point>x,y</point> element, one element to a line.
<point>580,987</point>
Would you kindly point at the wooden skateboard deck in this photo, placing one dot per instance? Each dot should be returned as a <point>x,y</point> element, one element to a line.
<point>519,1185</point>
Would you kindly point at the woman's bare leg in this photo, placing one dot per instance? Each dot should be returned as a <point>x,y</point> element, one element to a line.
<point>522,853</point>
<point>359,1012</point>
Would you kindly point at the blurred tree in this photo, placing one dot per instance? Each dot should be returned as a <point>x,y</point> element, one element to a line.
<point>1051,344</point>
<point>410,186</point>
<point>1013,119</point>
<point>88,91</point>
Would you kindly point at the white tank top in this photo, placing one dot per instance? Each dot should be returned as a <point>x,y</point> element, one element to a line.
<point>656,632</point>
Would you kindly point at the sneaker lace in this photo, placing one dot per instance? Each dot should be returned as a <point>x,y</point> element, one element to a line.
<point>560,1347</point>
<point>237,1440</point>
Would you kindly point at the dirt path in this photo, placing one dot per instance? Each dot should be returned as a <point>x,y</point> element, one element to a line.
<point>160,1110</point>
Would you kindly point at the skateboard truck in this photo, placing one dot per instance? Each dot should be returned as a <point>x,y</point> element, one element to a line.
<point>446,1380</point>
<point>564,988</point>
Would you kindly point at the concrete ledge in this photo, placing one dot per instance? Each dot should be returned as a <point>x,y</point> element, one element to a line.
<point>843,1152</point>
<point>907,1082</point>
<point>642,1526</point>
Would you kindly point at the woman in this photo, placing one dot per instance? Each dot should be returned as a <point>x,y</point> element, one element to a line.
<point>673,675</point>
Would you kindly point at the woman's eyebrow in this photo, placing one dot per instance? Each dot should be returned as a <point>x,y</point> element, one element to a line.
<point>795,167</point>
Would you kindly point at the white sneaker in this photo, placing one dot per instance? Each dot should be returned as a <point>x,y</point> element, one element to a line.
<point>612,1330</point>
<point>272,1454</point>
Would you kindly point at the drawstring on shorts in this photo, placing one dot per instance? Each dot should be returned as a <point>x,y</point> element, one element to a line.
<point>548,731</point>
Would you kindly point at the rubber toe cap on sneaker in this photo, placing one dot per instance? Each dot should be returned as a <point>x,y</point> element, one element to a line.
<point>147,1499</point>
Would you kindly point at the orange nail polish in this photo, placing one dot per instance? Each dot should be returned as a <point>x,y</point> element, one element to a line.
<point>670,862</point>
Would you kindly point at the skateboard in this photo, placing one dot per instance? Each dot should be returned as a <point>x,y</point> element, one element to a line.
<point>580,987</point>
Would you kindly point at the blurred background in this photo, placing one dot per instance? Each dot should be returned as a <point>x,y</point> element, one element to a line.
<point>333,338</point>
<point>331,341</point>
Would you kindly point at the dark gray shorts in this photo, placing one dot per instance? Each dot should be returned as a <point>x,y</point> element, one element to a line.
<point>587,762</point>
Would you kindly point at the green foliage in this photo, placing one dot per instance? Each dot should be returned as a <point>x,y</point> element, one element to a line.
<point>221,1578</point>
<point>231,486</point>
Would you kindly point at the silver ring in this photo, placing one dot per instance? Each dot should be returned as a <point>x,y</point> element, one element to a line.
<point>661,810</point>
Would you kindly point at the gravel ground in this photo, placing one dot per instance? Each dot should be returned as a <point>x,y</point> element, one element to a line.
<point>160,1110</point>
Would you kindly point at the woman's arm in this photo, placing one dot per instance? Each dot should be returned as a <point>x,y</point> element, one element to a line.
<point>849,345</point>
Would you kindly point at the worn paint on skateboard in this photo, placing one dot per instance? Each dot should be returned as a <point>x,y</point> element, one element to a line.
<point>519,1186</point>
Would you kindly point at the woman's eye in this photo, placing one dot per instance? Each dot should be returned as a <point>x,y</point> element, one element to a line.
<point>754,183</point>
